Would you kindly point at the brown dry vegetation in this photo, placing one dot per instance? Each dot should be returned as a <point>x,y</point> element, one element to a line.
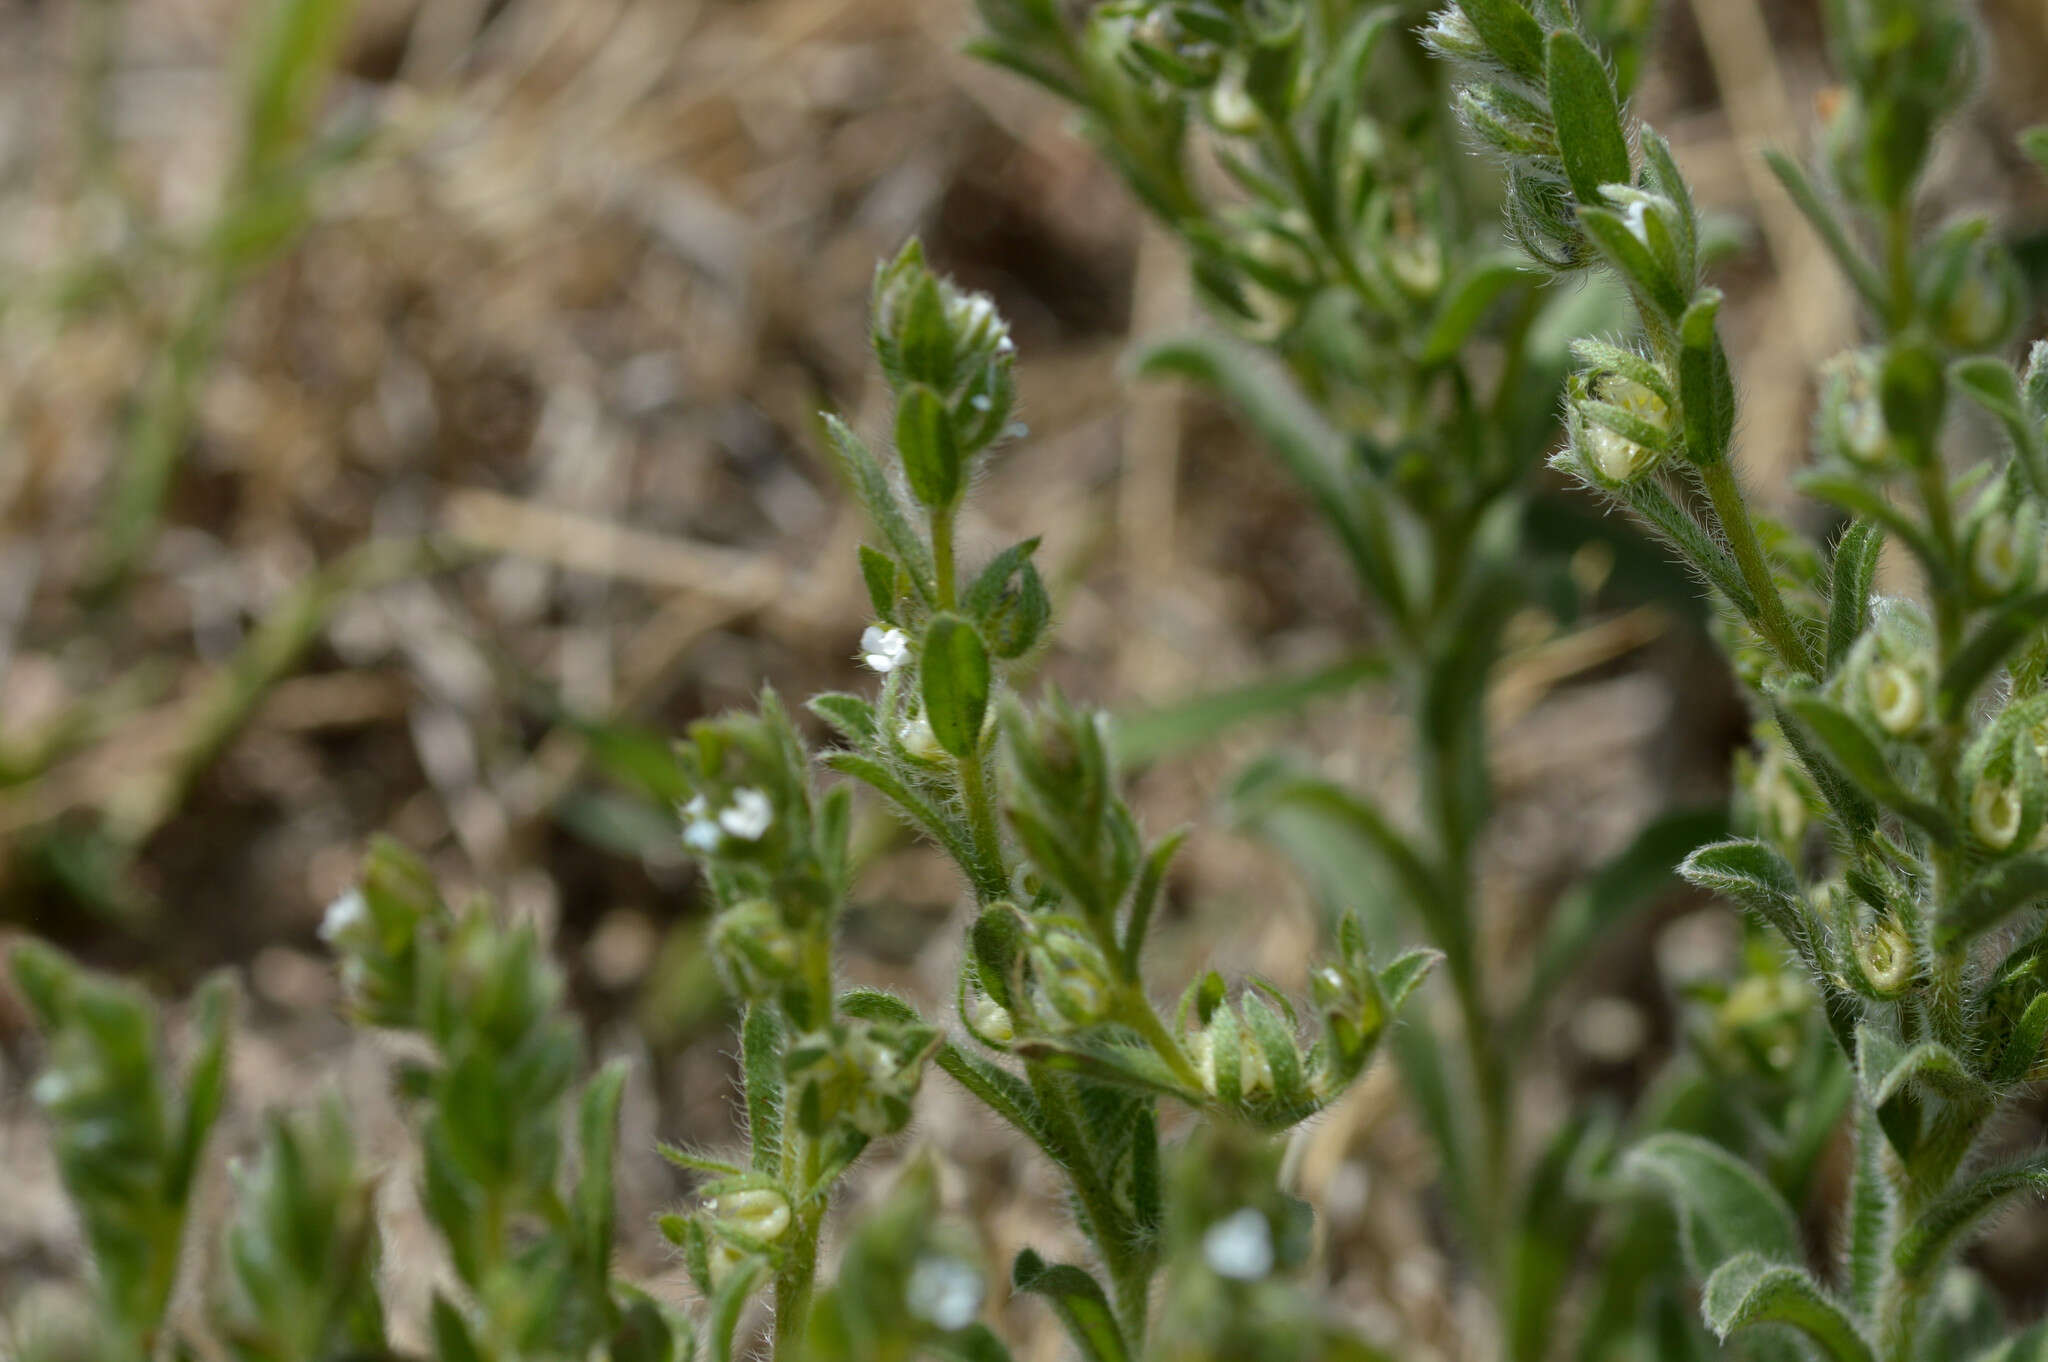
<point>557,336</point>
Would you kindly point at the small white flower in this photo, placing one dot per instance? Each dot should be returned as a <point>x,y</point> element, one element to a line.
<point>702,835</point>
<point>884,649</point>
<point>695,808</point>
<point>1240,1246</point>
<point>342,915</point>
<point>749,815</point>
<point>943,1292</point>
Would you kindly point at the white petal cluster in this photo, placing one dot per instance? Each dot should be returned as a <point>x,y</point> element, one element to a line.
<point>747,819</point>
<point>884,649</point>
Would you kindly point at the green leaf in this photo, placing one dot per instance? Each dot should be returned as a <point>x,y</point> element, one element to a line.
<point>1314,453</point>
<point>1851,573</point>
<point>1080,1303</point>
<point>1748,1290</point>
<point>1268,789</point>
<point>1992,385</point>
<point>1928,1241</point>
<point>1511,33</point>
<point>1480,283</point>
<point>205,1086</point>
<point>1824,221</point>
<point>2000,890</point>
<point>954,670</point>
<point>870,486</point>
<point>850,715</point>
<point>1150,878</point>
<point>1705,387</point>
<point>1757,876</point>
<point>879,572</point>
<point>726,1305</point>
<point>1595,907</point>
<point>1857,755</point>
<point>924,346</point>
<point>1632,259</point>
<point>2031,1346</point>
<point>1868,1216</point>
<point>1864,502</point>
<point>1888,1070</point>
<point>926,444</point>
<point>1986,650</point>
<point>1724,1206</point>
<point>597,1129</point>
<point>1589,135</point>
<point>452,1339</point>
<point>1146,735</point>
<point>1005,1094</point>
<point>987,879</point>
<point>761,1043</point>
<point>287,63</point>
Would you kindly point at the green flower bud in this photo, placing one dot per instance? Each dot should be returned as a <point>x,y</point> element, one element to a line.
<point>755,949</point>
<point>1851,413</point>
<point>1620,426</point>
<point>1898,697</point>
<point>751,1215</point>
<point>1995,813</point>
<point>1071,977</point>
<point>1885,955</point>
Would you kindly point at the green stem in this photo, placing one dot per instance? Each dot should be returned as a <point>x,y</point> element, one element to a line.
<point>1135,1011</point>
<point>981,820</point>
<point>942,555</point>
<point>1772,620</point>
<point>1128,1261</point>
<point>798,1275</point>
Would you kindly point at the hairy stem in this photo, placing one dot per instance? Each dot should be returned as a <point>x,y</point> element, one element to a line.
<point>1772,620</point>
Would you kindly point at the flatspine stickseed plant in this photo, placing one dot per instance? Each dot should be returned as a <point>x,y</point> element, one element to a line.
<point>1401,364</point>
<point>1907,729</point>
<point>1062,1039</point>
<point>1399,358</point>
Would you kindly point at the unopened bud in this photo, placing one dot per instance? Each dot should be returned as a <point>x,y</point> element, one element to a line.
<point>760,1214</point>
<point>1898,700</point>
<point>1995,811</point>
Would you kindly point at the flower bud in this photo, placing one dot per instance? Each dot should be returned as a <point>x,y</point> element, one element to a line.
<point>1995,811</point>
<point>1852,424</point>
<point>755,949</point>
<point>991,1021</point>
<point>919,743</point>
<point>1620,426</point>
<point>1072,978</point>
<point>757,1215</point>
<point>1885,955</point>
<point>1898,697</point>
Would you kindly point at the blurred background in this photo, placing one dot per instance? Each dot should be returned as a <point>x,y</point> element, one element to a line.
<point>408,407</point>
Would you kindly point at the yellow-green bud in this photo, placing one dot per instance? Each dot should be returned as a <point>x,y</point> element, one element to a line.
<point>1898,700</point>
<point>1995,813</point>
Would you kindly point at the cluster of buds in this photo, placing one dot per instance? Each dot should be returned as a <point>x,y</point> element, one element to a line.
<point>948,356</point>
<point>1906,64</point>
<point>1619,416</point>
<point>857,1074</point>
<point>1248,1056</point>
